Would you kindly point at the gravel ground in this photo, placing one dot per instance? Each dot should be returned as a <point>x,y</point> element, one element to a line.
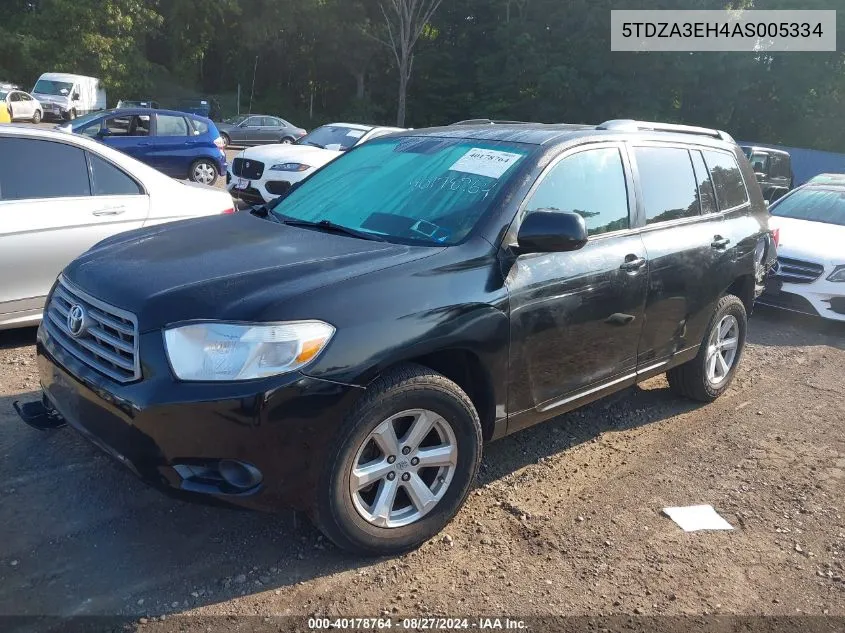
<point>565,518</point>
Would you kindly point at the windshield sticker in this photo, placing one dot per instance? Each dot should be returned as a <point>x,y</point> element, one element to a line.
<point>485,162</point>
<point>355,133</point>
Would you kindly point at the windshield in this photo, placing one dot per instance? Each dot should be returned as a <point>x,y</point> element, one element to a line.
<point>80,122</point>
<point>336,137</point>
<point>816,205</point>
<point>413,190</point>
<point>3,94</point>
<point>50,87</point>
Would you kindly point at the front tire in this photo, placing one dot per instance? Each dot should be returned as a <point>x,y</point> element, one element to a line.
<point>403,464</point>
<point>710,373</point>
<point>203,171</point>
<point>36,117</point>
<point>287,140</point>
<point>71,114</point>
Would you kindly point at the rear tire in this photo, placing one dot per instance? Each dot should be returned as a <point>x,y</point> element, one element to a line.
<point>203,171</point>
<point>36,117</point>
<point>350,514</point>
<point>705,378</point>
<point>226,140</point>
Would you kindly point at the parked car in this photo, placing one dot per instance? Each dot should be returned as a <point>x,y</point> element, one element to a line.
<point>773,170</point>
<point>809,276</point>
<point>208,108</point>
<point>21,105</point>
<point>146,103</point>
<point>92,192</point>
<point>66,96</point>
<point>350,347</point>
<point>258,129</point>
<point>827,179</point>
<point>178,144</point>
<point>261,174</point>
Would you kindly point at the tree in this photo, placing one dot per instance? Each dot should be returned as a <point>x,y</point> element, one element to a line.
<point>405,21</point>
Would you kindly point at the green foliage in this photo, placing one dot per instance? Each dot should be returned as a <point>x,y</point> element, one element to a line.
<point>321,60</point>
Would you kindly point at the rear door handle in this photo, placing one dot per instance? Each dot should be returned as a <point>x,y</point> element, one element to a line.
<point>109,211</point>
<point>719,242</point>
<point>633,263</point>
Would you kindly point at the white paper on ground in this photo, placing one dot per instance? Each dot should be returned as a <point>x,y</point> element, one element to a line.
<point>694,518</point>
<point>485,162</point>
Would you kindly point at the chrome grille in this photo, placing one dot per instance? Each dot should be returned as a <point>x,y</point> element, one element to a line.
<point>107,339</point>
<point>797,271</point>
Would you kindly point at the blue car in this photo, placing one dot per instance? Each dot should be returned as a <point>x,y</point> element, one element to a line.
<point>180,145</point>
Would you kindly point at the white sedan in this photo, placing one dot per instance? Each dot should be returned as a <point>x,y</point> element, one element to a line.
<point>260,174</point>
<point>60,194</point>
<point>21,105</point>
<point>809,276</point>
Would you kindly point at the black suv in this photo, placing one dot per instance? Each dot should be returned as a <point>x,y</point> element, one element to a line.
<point>773,170</point>
<point>350,347</point>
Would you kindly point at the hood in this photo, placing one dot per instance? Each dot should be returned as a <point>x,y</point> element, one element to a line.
<point>281,153</point>
<point>237,267</point>
<point>818,242</point>
<point>51,98</point>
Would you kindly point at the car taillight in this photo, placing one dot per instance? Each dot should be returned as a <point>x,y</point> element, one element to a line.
<point>228,211</point>
<point>775,236</point>
<point>219,143</point>
<point>301,132</point>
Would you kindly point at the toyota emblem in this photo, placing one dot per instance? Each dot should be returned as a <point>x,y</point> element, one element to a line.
<point>76,320</point>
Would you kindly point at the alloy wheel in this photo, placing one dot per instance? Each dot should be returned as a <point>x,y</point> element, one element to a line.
<point>204,173</point>
<point>722,349</point>
<point>403,468</point>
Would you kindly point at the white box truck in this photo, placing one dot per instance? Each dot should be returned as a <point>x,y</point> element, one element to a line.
<point>68,96</point>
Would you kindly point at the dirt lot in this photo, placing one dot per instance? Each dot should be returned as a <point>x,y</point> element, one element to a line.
<point>565,518</point>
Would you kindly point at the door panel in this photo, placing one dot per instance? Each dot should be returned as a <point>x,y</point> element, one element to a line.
<point>687,261</point>
<point>576,317</point>
<point>171,150</point>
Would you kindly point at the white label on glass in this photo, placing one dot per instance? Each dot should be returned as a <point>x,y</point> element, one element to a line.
<point>485,162</point>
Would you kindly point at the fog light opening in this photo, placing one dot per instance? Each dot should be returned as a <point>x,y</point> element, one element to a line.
<point>238,474</point>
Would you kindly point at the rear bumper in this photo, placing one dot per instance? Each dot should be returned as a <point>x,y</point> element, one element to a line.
<point>173,435</point>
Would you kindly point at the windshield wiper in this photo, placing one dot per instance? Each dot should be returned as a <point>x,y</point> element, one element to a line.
<point>326,225</point>
<point>312,144</point>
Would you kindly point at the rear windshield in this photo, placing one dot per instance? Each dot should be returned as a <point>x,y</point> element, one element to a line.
<point>410,190</point>
<point>816,205</point>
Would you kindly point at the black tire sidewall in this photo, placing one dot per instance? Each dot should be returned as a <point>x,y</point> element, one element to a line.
<point>731,306</point>
<point>342,521</point>
<point>226,140</point>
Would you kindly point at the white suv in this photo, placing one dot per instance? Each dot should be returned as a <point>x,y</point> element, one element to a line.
<point>260,174</point>
<point>87,192</point>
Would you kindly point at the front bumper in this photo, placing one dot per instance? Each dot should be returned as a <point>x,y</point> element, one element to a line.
<point>269,187</point>
<point>173,435</point>
<point>821,298</point>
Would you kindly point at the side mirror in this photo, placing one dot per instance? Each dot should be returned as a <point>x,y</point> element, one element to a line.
<point>75,96</point>
<point>551,232</point>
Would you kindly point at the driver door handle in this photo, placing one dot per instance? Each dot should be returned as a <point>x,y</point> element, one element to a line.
<point>633,263</point>
<point>719,242</point>
<point>109,211</point>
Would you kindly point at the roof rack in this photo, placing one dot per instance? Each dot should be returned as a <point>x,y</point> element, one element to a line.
<point>488,122</point>
<point>630,125</point>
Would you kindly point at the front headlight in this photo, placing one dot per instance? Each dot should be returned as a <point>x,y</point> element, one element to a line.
<point>838,274</point>
<point>230,351</point>
<point>290,167</point>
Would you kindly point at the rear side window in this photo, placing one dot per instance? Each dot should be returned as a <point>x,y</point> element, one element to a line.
<point>108,180</point>
<point>668,183</point>
<point>705,185</point>
<point>200,127</point>
<point>727,179</point>
<point>590,183</point>
<point>171,125</point>
<point>42,169</point>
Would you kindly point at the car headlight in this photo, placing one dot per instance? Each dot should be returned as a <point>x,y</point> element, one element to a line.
<point>838,274</point>
<point>290,167</point>
<point>231,351</point>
